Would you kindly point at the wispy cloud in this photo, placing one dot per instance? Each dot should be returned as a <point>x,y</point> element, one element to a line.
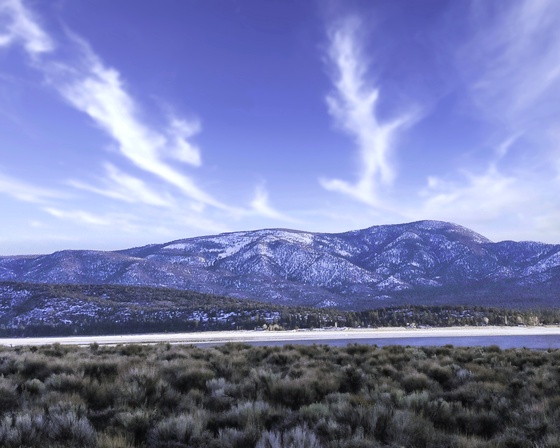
<point>99,92</point>
<point>180,148</point>
<point>511,69</point>
<point>122,186</point>
<point>26,192</point>
<point>354,105</point>
<point>512,62</point>
<point>18,25</point>
<point>261,205</point>
<point>164,152</point>
<point>490,194</point>
<point>81,217</point>
<point>496,204</point>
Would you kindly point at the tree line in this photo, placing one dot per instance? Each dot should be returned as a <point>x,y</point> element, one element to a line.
<point>52,310</point>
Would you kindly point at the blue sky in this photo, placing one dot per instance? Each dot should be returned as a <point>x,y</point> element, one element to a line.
<point>124,123</point>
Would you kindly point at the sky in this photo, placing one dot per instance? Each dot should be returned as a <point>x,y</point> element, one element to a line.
<point>125,122</point>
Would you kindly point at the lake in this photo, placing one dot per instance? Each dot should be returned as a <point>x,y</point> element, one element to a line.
<point>533,342</point>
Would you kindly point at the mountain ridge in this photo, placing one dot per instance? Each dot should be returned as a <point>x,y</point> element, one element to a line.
<point>346,270</point>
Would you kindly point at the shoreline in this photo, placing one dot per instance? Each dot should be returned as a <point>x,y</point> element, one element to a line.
<point>317,335</point>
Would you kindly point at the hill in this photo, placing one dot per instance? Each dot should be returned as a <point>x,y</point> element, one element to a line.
<point>422,262</point>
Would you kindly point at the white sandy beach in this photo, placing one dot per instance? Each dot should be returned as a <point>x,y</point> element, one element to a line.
<point>294,335</point>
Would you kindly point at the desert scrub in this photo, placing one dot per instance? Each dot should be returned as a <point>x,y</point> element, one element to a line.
<point>70,429</point>
<point>236,395</point>
<point>9,399</point>
<point>22,430</point>
<point>298,437</point>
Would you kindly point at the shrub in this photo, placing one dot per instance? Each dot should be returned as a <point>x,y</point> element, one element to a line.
<point>480,423</point>
<point>416,401</point>
<point>68,429</point>
<point>9,399</point>
<point>100,369</point>
<point>314,412</point>
<point>235,438</point>
<point>136,423</point>
<point>441,413</point>
<point>217,387</point>
<point>174,431</point>
<point>142,386</point>
<point>56,401</point>
<point>57,350</point>
<point>280,359</point>
<point>64,382</point>
<point>131,349</point>
<point>352,379</point>
<point>298,437</point>
<point>99,395</point>
<point>381,418</point>
<point>293,393</point>
<point>443,375</point>
<point>105,440</point>
<point>390,371</point>
<point>513,438</point>
<point>35,367</point>
<point>8,365</point>
<point>408,429</point>
<point>261,382</point>
<point>462,375</point>
<point>247,414</point>
<point>22,430</point>
<point>194,378</point>
<point>415,381</point>
<point>34,387</point>
<point>344,397</point>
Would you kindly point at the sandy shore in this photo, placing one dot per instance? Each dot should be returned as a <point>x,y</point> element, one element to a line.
<point>295,335</point>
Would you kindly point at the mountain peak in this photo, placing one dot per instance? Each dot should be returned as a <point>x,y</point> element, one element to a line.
<point>304,268</point>
<point>450,228</point>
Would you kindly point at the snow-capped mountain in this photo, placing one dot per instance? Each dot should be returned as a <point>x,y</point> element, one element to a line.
<point>348,270</point>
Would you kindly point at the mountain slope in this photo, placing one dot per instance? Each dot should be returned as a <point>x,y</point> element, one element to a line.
<point>354,269</point>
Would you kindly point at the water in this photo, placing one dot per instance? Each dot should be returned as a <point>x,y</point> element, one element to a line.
<point>541,342</point>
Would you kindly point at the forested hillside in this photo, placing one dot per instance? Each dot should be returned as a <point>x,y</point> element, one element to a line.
<point>56,310</point>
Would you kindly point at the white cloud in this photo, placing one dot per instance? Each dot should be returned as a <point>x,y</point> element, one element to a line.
<point>82,217</point>
<point>512,62</point>
<point>485,196</point>
<point>502,201</point>
<point>261,205</point>
<point>99,92</point>
<point>354,107</point>
<point>180,148</point>
<point>191,219</point>
<point>167,223</point>
<point>499,206</point>
<point>511,69</point>
<point>503,148</point>
<point>546,223</point>
<point>122,186</point>
<point>19,25</point>
<point>27,192</point>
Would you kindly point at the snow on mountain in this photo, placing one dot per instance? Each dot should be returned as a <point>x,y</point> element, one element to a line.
<point>295,267</point>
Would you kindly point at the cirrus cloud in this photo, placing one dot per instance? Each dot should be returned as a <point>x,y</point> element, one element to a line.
<point>353,105</point>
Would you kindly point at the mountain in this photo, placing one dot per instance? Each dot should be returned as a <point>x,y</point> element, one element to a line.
<point>415,262</point>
